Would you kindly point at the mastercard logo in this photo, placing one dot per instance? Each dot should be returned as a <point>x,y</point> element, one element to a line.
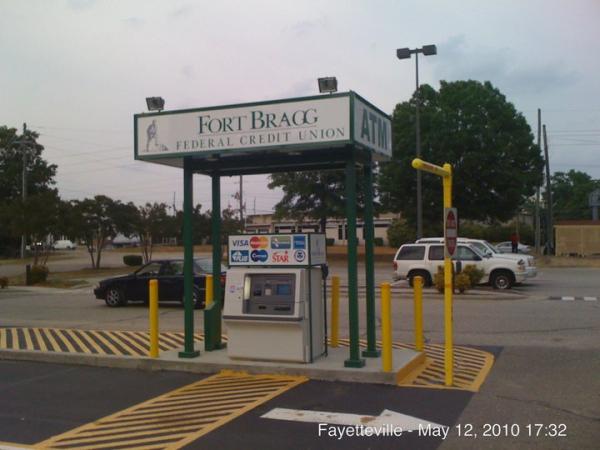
<point>259,242</point>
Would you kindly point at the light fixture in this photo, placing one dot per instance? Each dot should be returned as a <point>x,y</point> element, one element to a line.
<point>328,84</point>
<point>155,103</point>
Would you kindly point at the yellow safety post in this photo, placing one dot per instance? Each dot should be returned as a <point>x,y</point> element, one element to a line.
<point>446,173</point>
<point>418,306</point>
<point>335,311</point>
<point>153,313</point>
<point>209,292</point>
<point>386,327</point>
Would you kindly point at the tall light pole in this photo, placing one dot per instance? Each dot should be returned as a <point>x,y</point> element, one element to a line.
<point>405,53</point>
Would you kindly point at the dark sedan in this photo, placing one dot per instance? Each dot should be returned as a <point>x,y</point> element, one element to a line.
<point>118,291</point>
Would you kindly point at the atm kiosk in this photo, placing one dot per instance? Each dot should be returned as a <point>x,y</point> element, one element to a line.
<point>274,297</point>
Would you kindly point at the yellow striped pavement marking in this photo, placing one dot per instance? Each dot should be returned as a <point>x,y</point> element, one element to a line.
<point>471,366</point>
<point>164,423</point>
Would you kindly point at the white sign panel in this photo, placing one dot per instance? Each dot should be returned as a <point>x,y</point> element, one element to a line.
<point>372,129</point>
<point>302,122</point>
<point>276,250</point>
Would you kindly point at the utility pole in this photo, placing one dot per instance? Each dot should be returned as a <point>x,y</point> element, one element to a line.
<point>549,230</point>
<point>24,186</point>
<point>242,200</point>
<point>537,191</point>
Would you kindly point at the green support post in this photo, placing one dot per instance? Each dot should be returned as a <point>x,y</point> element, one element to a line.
<point>212,315</point>
<point>354,360</point>
<point>371,351</point>
<point>188,261</point>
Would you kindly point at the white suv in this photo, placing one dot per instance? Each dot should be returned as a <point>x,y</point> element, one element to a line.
<point>423,259</point>
<point>488,249</point>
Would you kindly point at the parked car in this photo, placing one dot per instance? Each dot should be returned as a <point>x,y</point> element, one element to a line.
<point>424,259</point>
<point>63,244</point>
<point>506,247</point>
<point>118,291</point>
<point>486,248</point>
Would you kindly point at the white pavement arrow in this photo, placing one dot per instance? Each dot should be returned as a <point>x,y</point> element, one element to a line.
<point>387,417</point>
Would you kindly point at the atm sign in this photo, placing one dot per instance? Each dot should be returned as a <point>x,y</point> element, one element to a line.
<point>259,242</point>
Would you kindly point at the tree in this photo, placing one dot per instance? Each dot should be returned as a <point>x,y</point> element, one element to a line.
<point>316,195</point>
<point>472,126</point>
<point>570,193</point>
<point>98,219</point>
<point>151,224</point>
<point>40,180</point>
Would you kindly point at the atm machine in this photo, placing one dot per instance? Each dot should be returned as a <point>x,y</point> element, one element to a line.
<point>274,297</point>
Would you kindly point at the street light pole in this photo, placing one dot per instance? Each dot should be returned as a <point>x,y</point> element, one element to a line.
<point>405,53</point>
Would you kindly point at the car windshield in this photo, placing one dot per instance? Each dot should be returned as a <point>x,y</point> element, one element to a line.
<point>478,252</point>
<point>205,265</point>
<point>481,247</point>
<point>491,247</point>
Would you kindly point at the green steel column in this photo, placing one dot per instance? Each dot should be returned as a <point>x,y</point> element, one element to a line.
<point>371,350</point>
<point>188,261</point>
<point>354,360</point>
<point>212,315</point>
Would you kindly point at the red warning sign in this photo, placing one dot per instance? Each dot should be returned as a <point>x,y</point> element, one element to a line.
<point>450,230</point>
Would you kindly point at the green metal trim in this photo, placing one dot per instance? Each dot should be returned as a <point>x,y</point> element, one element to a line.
<point>188,261</point>
<point>135,138</point>
<point>354,360</point>
<point>352,119</point>
<point>371,350</point>
<point>244,105</point>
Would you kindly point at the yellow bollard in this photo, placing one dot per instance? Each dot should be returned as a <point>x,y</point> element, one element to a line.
<point>418,303</point>
<point>386,327</point>
<point>209,292</point>
<point>153,313</point>
<point>335,311</point>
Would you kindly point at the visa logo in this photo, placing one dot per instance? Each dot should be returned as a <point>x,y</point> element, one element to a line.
<point>241,243</point>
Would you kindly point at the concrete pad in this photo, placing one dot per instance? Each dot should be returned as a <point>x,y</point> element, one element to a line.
<point>328,368</point>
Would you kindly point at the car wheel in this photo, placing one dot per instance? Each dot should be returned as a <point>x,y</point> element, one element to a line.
<point>420,273</point>
<point>502,280</point>
<point>114,297</point>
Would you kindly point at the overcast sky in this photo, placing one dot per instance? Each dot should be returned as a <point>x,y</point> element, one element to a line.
<point>77,70</point>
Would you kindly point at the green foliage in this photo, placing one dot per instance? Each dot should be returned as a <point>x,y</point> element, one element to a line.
<point>3,282</point>
<point>38,274</point>
<point>400,232</point>
<point>462,282</point>
<point>378,242</point>
<point>318,194</point>
<point>495,232</point>
<point>473,127</point>
<point>151,223</point>
<point>438,279</point>
<point>132,260</point>
<point>474,274</point>
<point>570,193</point>
<point>329,242</point>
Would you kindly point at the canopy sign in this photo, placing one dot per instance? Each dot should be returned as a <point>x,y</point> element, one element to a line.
<point>326,121</point>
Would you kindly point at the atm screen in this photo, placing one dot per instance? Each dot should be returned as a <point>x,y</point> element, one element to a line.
<point>272,294</point>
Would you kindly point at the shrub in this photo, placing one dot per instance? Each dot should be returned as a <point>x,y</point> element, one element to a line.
<point>378,241</point>
<point>3,282</point>
<point>329,242</point>
<point>462,282</point>
<point>438,279</point>
<point>400,232</point>
<point>475,275</point>
<point>38,274</point>
<point>132,260</point>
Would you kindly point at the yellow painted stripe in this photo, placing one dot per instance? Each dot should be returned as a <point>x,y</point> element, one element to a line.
<point>144,426</point>
<point>28,341</point>
<point>78,341</point>
<point>126,342</point>
<point>15,339</point>
<point>63,338</point>
<point>106,342</point>
<point>41,343</point>
<point>90,342</point>
<point>53,344</point>
<point>2,338</point>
